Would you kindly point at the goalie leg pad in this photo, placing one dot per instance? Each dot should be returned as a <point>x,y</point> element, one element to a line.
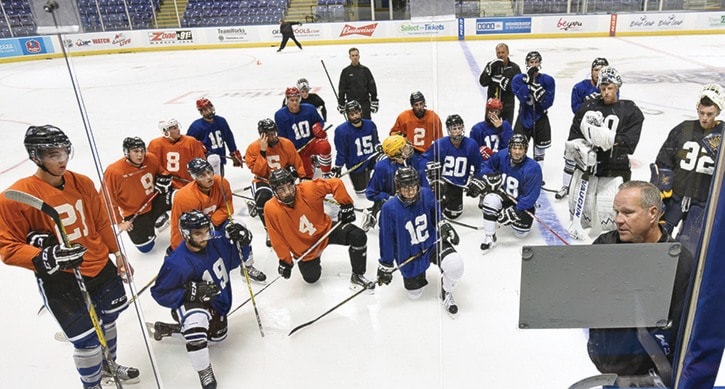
<point>578,151</point>
<point>606,190</point>
<point>581,204</point>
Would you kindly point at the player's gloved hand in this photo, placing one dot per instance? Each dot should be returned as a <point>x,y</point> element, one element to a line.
<point>163,183</point>
<point>475,187</point>
<point>41,240</point>
<point>493,182</point>
<point>592,96</point>
<point>537,91</point>
<point>58,257</point>
<point>493,67</point>
<point>531,72</point>
<point>318,131</point>
<point>486,152</point>
<point>593,118</point>
<point>374,106</point>
<point>336,171</point>
<point>238,233</point>
<point>284,269</point>
<point>200,291</point>
<point>346,214</point>
<point>341,108</point>
<point>448,233</point>
<point>663,179</point>
<point>293,171</point>
<point>433,171</point>
<point>237,159</point>
<point>385,273</point>
<point>502,81</point>
<point>509,216</point>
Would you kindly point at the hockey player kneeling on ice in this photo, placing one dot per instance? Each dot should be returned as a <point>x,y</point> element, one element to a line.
<point>194,283</point>
<point>611,128</point>
<point>408,230</point>
<point>685,165</point>
<point>512,184</point>
<point>296,221</point>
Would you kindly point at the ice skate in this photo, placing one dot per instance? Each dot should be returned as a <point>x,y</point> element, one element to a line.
<point>255,274</point>
<point>562,193</point>
<point>207,379</point>
<point>162,222</point>
<point>127,375</point>
<point>448,302</point>
<point>489,242</point>
<point>358,281</point>
<point>369,221</point>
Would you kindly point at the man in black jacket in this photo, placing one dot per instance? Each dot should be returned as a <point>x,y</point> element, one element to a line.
<point>496,76</point>
<point>638,207</point>
<point>357,83</point>
<point>285,28</point>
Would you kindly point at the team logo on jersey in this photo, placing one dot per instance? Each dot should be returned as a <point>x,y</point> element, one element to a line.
<point>366,30</point>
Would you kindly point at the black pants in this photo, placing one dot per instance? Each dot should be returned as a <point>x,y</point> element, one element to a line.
<point>285,38</point>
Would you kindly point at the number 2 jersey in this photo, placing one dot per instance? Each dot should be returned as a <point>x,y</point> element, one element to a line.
<point>684,153</point>
<point>81,211</point>
<point>211,264</point>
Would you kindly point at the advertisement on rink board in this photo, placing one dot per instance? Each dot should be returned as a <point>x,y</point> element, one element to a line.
<point>474,28</point>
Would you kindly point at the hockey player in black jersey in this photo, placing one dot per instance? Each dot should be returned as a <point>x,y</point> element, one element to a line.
<point>684,166</point>
<point>605,130</point>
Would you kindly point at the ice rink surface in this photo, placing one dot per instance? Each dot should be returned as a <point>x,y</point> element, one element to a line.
<point>378,340</point>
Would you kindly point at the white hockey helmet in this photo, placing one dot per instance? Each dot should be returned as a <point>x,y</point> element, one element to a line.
<point>609,75</point>
<point>714,92</point>
<point>164,125</point>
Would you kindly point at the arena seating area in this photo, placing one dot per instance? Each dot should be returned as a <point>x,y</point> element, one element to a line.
<point>112,15</point>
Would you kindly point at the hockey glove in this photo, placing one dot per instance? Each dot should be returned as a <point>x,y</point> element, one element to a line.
<point>285,269</point>
<point>237,233</point>
<point>662,178</point>
<point>711,143</point>
<point>318,131</point>
<point>433,171</point>
<point>475,187</point>
<point>494,67</point>
<point>41,240</point>
<point>293,171</point>
<point>486,152</point>
<point>537,91</point>
<point>508,216</point>
<point>601,137</point>
<point>592,96</point>
<point>493,182</point>
<point>346,214</point>
<point>385,273</point>
<point>57,257</point>
<point>531,73</point>
<point>374,106</point>
<point>448,233</point>
<point>341,108</point>
<point>502,81</point>
<point>336,171</point>
<point>200,291</point>
<point>163,183</point>
<point>237,159</point>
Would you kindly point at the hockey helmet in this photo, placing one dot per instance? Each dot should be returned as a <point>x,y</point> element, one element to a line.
<point>352,105</point>
<point>494,104</point>
<point>715,93</point>
<point>415,97</point>
<point>266,126</point>
<point>130,143</point>
<point>203,103</point>
<point>455,122</point>
<point>166,125</point>
<point>198,166</point>
<point>518,140</point>
<point>609,75</point>
<point>40,138</point>
<point>394,147</point>
<point>533,55</point>
<point>193,220</point>
<point>599,61</point>
<point>407,177</point>
<point>292,91</point>
<point>303,84</point>
<point>279,178</point>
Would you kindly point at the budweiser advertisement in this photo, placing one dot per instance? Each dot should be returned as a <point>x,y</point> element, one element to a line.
<point>366,30</point>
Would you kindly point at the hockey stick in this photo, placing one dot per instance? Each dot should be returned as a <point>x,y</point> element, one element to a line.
<point>537,218</point>
<point>44,207</point>
<point>357,166</point>
<point>255,295</point>
<point>456,222</point>
<point>337,98</point>
<point>595,381</point>
<point>143,206</point>
<point>359,292</point>
<point>312,140</point>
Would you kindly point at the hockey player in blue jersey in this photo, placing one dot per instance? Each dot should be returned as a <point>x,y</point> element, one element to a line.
<point>513,183</point>
<point>399,153</point>
<point>303,125</point>
<point>451,160</point>
<point>214,132</point>
<point>356,141</point>
<point>411,225</point>
<point>535,91</point>
<point>194,281</point>
<point>494,133</point>
<point>587,89</point>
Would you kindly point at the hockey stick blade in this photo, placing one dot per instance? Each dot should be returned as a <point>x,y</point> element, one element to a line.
<point>34,202</point>
<point>303,325</point>
<point>595,381</point>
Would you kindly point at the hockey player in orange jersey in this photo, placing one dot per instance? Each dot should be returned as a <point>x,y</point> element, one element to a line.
<point>296,221</point>
<point>175,151</point>
<point>210,194</point>
<point>419,125</point>
<point>139,195</point>
<point>265,154</point>
<point>29,238</point>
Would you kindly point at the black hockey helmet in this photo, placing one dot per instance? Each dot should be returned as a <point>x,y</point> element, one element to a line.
<point>453,120</point>
<point>416,96</point>
<point>266,126</point>
<point>40,138</point>
<point>197,166</point>
<point>518,140</point>
<point>133,143</point>
<point>352,105</point>
<point>193,220</point>
<point>406,177</point>
<point>280,177</point>
<point>535,55</point>
<point>599,61</point>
